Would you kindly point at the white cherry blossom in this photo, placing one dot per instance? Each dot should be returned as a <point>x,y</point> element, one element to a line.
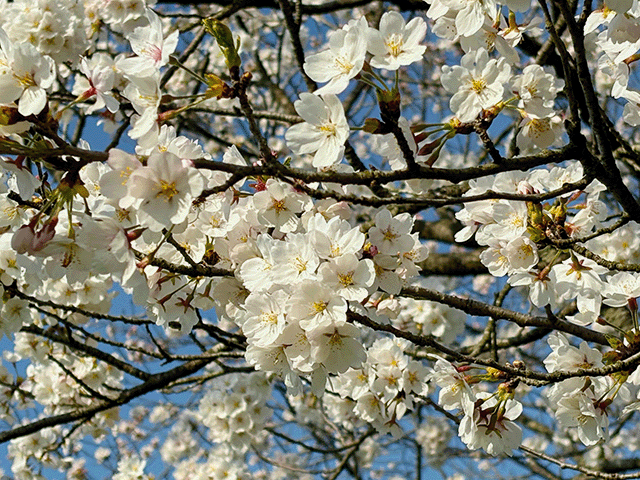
<point>324,131</point>
<point>26,77</point>
<point>396,43</point>
<point>342,61</point>
<point>477,84</point>
<point>165,186</point>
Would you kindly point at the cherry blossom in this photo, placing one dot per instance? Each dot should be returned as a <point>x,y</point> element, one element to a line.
<point>477,84</point>
<point>26,77</point>
<point>242,275</point>
<point>395,43</point>
<point>324,131</point>
<point>165,186</point>
<point>151,48</point>
<point>342,61</point>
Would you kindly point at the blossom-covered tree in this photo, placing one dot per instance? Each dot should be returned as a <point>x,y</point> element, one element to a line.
<point>299,239</point>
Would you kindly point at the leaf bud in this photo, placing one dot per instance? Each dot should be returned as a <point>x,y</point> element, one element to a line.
<point>224,37</point>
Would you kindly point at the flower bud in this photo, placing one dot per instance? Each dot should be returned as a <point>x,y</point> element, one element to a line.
<point>389,101</point>
<point>21,240</point>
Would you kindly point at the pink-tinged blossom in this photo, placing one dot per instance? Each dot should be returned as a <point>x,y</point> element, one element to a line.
<point>15,313</point>
<point>273,358</point>
<point>150,46</point>
<point>255,272</point>
<point>29,240</point>
<point>454,389</point>
<point>21,180</point>
<point>509,220</point>
<point>566,357</point>
<point>539,132</point>
<point>110,245</point>
<point>100,79</point>
<point>145,95</point>
<point>522,254</point>
<point>354,383</point>
<point>495,259</point>
<point>584,411</point>
<point>580,277</point>
<point>335,237</point>
<point>337,347</point>
<point>348,277</point>
<point>490,426</point>
<point>166,186</point>
<point>391,235</point>
<point>314,306</point>
<point>500,37</point>
<point>621,288</point>
<point>537,90</point>
<point>541,290</point>
<point>467,17</point>
<point>114,183</point>
<point>387,276</point>
<point>278,206</point>
<point>295,260</point>
<point>389,382</point>
<point>369,407</point>
<point>264,317</point>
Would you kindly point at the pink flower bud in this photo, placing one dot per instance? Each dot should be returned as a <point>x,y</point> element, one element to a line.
<point>526,188</point>
<point>44,235</point>
<point>21,240</point>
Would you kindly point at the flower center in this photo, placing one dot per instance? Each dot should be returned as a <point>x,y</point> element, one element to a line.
<point>123,214</point>
<point>328,128</point>
<point>167,189</point>
<point>320,307</point>
<point>394,44</point>
<point>11,212</point>
<point>478,85</point>
<point>270,318</point>
<point>25,80</point>
<point>153,51</point>
<point>300,264</point>
<point>517,221</point>
<point>277,205</point>
<point>538,126</point>
<point>346,279</point>
<point>343,64</point>
<point>389,235</point>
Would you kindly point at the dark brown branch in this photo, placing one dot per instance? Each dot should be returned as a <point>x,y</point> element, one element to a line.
<point>87,350</point>
<point>321,8</point>
<point>474,307</point>
<point>453,264</point>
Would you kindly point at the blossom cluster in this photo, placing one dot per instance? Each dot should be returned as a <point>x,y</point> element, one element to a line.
<point>236,413</point>
<point>488,420</point>
<point>384,388</point>
<point>300,288</point>
<point>291,263</point>
<point>512,231</point>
